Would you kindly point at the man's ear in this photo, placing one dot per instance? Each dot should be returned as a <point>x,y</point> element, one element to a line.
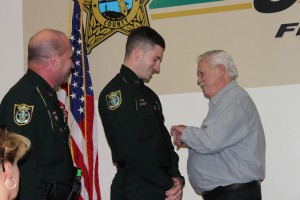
<point>53,59</point>
<point>137,52</point>
<point>222,69</point>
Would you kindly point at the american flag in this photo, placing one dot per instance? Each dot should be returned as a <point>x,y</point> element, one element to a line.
<point>77,98</point>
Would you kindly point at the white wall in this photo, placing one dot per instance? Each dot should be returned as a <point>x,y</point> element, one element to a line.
<point>11,48</point>
<point>279,108</point>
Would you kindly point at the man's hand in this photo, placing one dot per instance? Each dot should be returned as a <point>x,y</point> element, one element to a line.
<point>176,133</point>
<point>176,192</point>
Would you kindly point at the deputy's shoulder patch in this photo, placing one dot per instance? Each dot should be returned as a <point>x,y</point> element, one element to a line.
<point>22,114</point>
<point>114,100</point>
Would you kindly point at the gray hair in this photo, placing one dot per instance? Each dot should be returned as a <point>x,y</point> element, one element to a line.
<point>217,57</point>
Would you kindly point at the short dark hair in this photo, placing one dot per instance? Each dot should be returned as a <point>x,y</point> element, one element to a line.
<point>141,36</point>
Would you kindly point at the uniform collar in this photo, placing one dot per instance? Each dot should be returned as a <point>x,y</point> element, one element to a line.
<point>129,75</point>
<point>41,83</point>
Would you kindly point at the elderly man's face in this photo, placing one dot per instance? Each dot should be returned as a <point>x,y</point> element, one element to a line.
<point>210,79</point>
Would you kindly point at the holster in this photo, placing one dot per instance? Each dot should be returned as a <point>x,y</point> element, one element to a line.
<point>54,190</point>
<point>76,189</point>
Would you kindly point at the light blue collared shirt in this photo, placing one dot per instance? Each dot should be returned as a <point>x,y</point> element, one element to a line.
<point>230,145</point>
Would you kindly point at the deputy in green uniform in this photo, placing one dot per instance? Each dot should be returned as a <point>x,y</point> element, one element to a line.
<point>133,121</point>
<point>31,108</point>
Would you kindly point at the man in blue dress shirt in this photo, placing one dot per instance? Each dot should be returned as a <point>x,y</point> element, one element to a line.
<point>227,152</point>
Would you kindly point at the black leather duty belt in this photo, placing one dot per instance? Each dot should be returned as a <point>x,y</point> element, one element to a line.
<point>222,189</point>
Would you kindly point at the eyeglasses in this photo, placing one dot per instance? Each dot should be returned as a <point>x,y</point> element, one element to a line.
<point>2,149</point>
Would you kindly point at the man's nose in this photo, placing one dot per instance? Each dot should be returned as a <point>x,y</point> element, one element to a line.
<point>199,80</point>
<point>157,67</point>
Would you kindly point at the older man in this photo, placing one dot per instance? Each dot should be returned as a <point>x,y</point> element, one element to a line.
<point>227,153</point>
<point>31,108</point>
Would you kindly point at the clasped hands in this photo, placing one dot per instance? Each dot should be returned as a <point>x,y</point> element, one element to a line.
<point>176,133</point>
<point>176,192</point>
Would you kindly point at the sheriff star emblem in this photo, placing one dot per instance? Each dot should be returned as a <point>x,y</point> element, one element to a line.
<point>114,100</point>
<point>106,17</point>
<point>22,114</point>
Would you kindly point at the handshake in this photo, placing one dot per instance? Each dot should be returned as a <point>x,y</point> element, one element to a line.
<point>176,133</point>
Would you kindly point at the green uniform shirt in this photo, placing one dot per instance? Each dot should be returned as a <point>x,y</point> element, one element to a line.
<point>31,108</point>
<point>132,118</point>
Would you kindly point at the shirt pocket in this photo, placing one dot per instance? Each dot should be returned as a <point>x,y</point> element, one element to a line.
<point>148,122</point>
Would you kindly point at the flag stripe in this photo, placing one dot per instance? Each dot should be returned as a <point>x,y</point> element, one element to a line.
<point>77,98</point>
